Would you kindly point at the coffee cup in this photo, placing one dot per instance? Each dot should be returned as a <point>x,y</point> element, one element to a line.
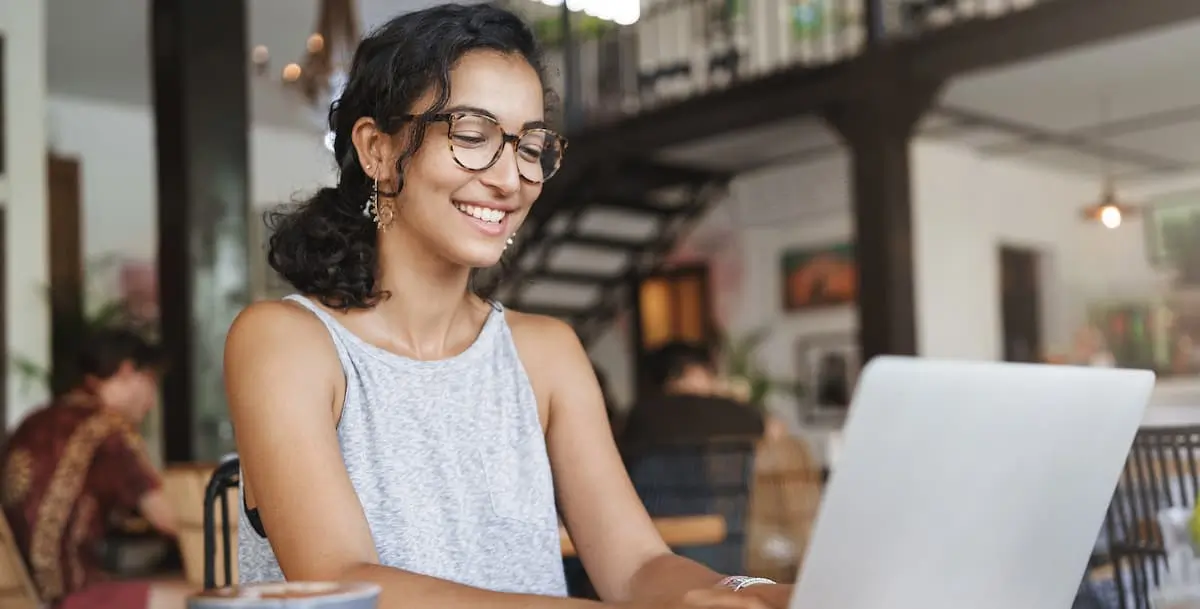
<point>289,595</point>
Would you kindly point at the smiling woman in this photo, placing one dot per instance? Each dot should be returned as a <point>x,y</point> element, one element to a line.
<point>396,428</point>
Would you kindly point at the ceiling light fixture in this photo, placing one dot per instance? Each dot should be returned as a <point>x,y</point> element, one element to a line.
<point>329,51</point>
<point>1109,210</point>
<point>322,73</point>
<point>622,12</point>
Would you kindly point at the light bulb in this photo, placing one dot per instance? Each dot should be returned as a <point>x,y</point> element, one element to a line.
<point>1110,216</point>
<point>627,13</point>
<point>291,72</point>
<point>260,55</point>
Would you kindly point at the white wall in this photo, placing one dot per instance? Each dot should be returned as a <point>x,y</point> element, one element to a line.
<point>965,208</point>
<point>27,325</point>
<point>115,144</point>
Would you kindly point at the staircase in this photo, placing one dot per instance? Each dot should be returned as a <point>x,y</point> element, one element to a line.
<point>603,226</point>
<point>687,73</point>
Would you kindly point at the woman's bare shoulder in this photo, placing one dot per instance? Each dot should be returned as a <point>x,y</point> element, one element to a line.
<point>540,334</point>
<point>548,346</point>
<point>279,329</point>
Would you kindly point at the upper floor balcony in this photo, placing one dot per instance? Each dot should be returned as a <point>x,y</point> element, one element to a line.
<point>620,59</point>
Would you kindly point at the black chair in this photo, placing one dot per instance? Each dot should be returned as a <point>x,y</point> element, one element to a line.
<point>224,478</point>
<point>690,479</point>
<point>713,477</point>
<point>1160,472</point>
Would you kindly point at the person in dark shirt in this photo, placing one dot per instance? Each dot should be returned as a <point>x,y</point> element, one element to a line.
<point>686,404</point>
<point>71,465</point>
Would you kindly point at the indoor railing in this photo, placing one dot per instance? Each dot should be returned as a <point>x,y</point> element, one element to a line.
<point>683,48</point>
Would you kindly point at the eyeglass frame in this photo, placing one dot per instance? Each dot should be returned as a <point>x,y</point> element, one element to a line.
<point>505,139</point>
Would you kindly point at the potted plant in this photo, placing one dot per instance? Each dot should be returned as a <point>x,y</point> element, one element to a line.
<point>110,313</point>
<point>740,362</point>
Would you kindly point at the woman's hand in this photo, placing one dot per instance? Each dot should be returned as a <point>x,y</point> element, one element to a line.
<point>776,596</point>
<point>764,596</point>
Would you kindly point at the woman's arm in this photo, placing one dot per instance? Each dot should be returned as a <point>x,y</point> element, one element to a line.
<point>282,376</point>
<point>623,553</point>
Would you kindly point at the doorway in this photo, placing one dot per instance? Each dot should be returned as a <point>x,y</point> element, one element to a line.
<point>670,306</point>
<point>1021,303</point>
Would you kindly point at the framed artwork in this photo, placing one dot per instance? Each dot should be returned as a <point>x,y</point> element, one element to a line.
<point>1128,333</point>
<point>819,277</point>
<point>138,288</point>
<point>828,367</point>
<point>1172,225</point>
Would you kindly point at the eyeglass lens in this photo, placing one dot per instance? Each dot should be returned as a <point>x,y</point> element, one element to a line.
<point>477,142</point>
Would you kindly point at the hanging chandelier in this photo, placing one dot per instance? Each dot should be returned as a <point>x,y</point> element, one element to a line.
<point>320,76</point>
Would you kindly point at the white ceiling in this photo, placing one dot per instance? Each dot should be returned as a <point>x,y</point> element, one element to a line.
<point>99,49</point>
<point>1149,83</point>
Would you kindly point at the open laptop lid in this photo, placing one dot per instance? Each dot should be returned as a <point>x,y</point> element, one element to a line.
<point>970,485</point>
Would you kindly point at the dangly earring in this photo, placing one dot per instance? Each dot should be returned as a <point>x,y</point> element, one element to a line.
<point>373,209</point>
<point>383,210</point>
<point>369,206</point>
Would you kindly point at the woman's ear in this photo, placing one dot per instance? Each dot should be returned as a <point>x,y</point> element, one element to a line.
<point>374,147</point>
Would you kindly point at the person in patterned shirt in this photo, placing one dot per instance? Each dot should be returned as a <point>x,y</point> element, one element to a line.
<point>71,465</point>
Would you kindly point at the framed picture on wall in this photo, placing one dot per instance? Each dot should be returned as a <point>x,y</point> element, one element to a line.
<point>827,365</point>
<point>1172,228</point>
<point>819,276</point>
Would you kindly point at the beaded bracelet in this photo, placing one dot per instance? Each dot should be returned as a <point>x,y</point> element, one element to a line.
<point>737,582</point>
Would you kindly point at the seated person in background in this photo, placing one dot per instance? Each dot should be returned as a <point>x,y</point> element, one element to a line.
<point>686,403</point>
<point>667,448</point>
<point>72,464</point>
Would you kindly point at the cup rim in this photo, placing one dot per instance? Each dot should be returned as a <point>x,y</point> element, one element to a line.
<point>338,591</point>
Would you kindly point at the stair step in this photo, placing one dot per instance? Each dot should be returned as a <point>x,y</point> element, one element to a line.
<point>607,242</point>
<point>636,206</point>
<point>578,277</point>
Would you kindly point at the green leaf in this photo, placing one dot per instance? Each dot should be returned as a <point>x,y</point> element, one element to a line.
<point>109,314</point>
<point>30,373</point>
<point>740,358</point>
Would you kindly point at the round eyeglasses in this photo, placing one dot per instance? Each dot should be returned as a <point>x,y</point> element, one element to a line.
<point>477,141</point>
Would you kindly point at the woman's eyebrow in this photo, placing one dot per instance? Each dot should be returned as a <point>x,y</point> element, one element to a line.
<point>538,124</point>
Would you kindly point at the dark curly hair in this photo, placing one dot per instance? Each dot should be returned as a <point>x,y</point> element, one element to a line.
<point>326,247</point>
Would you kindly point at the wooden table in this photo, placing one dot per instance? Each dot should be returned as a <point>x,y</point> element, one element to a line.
<point>677,531</point>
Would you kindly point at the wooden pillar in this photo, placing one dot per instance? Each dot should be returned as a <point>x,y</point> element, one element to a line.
<point>201,111</point>
<point>877,127</point>
<point>67,322</point>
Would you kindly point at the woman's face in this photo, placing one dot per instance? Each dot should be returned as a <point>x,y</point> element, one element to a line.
<point>464,216</point>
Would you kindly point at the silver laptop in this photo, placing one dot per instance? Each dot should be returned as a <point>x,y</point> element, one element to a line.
<point>967,485</point>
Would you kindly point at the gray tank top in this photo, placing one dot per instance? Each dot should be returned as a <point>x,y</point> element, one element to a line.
<point>449,462</point>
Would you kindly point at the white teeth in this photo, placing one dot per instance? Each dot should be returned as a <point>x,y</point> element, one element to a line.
<point>486,214</point>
